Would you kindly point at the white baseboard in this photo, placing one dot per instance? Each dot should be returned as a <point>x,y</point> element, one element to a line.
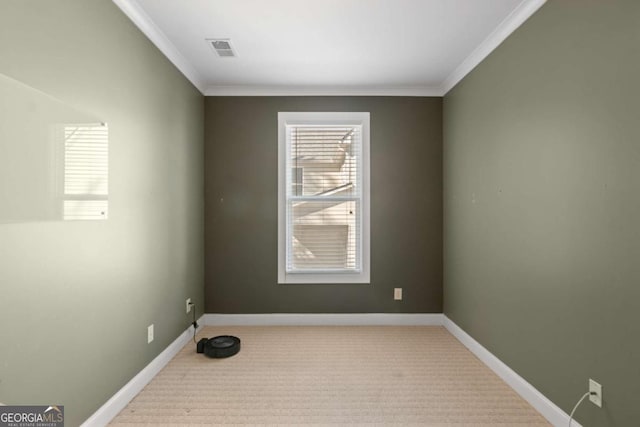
<point>317,319</point>
<point>547,408</point>
<point>121,399</point>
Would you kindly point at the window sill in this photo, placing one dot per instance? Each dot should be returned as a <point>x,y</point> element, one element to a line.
<point>324,278</point>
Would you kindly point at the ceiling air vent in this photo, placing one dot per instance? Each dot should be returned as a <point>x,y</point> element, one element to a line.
<point>222,47</point>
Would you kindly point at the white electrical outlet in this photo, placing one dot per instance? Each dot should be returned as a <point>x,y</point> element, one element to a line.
<point>150,333</point>
<point>596,388</point>
<point>188,305</point>
<point>397,294</point>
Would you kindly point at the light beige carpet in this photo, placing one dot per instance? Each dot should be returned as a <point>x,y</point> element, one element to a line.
<point>317,375</point>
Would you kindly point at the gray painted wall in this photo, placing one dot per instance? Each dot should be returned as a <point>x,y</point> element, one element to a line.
<point>542,205</point>
<point>77,297</point>
<point>241,210</point>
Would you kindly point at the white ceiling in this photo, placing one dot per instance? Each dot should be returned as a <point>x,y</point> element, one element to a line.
<point>328,47</point>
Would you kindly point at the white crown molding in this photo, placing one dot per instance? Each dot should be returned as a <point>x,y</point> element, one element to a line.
<point>132,9</point>
<point>323,91</point>
<point>511,23</point>
<point>547,408</point>
<point>317,319</point>
<point>121,399</point>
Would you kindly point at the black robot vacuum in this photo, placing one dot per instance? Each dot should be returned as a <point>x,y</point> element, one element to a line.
<point>219,347</point>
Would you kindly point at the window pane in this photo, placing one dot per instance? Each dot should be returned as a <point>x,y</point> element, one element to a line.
<point>327,155</point>
<point>297,181</point>
<point>323,235</point>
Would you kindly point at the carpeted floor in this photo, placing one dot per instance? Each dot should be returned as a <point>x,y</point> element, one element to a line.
<point>330,375</point>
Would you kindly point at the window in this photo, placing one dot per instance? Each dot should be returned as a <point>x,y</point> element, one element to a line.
<point>323,198</point>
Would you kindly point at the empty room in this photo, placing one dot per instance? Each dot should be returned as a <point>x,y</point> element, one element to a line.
<point>319,212</point>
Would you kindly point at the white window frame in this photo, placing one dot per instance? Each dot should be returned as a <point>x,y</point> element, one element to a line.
<point>323,119</point>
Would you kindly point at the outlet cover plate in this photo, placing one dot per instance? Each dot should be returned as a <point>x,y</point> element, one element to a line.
<point>597,388</point>
<point>397,294</point>
<point>188,303</point>
<point>150,333</point>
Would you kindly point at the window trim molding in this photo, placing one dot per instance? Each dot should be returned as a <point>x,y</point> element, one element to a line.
<point>323,118</point>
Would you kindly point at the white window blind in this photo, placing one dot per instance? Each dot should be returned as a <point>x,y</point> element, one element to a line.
<point>324,200</point>
<point>86,172</point>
